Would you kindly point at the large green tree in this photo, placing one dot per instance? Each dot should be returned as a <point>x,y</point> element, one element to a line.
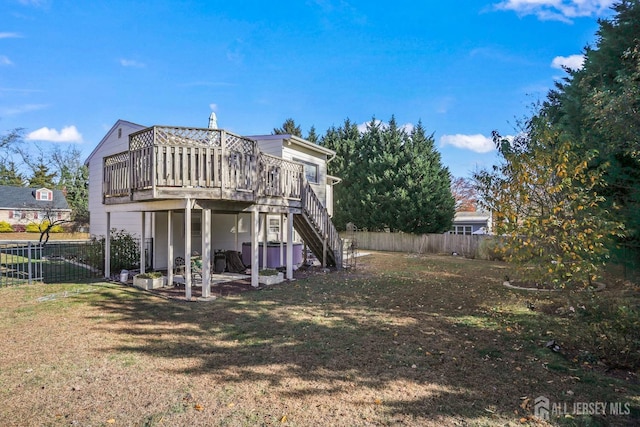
<point>598,106</point>
<point>9,175</point>
<point>391,179</point>
<point>41,177</point>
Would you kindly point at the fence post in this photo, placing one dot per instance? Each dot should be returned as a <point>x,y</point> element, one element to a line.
<point>29,269</point>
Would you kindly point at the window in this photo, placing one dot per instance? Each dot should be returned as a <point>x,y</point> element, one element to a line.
<point>274,225</point>
<point>461,229</point>
<point>310,170</point>
<point>44,194</point>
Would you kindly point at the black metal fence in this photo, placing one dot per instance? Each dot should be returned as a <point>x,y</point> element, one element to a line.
<point>67,261</point>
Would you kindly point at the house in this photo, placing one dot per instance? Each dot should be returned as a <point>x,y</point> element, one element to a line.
<point>207,189</point>
<point>468,223</point>
<point>21,206</point>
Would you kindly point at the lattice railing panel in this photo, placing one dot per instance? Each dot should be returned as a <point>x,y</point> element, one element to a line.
<point>142,139</point>
<point>238,143</point>
<point>187,136</point>
<point>116,158</point>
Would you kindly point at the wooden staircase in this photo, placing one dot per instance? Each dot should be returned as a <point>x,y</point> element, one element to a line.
<point>316,229</point>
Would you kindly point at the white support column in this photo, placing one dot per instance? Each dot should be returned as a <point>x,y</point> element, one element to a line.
<point>324,252</point>
<point>170,248</point>
<point>107,248</point>
<point>206,253</point>
<point>255,259</point>
<point>264,240</point>
<point>237,232</point>
<point>281,238</point>
<point>290,245</point>
<point>143,237</point>
<point>187,250</point>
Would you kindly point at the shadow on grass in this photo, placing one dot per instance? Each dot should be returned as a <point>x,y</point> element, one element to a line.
<point>407,337</point>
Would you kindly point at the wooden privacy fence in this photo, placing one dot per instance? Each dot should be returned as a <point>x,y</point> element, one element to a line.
<point>467,246</point>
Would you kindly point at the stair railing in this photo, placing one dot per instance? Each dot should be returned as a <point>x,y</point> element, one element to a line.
<point>319,217</point>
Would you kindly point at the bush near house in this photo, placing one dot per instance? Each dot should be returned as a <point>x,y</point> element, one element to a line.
<point>5,227</point>
<point>39,228</point>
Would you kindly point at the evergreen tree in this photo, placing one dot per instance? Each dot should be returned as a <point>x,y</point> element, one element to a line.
<point>41,177</point>
<point>390,179</point>
<point>312,136</point>
<point>78,195</point>
<point>9,175</point>
<point>598,107</point>
<point>289,127</point>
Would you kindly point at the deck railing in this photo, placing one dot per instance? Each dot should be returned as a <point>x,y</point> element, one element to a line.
<point>175,157</point>
<point>279,177</point>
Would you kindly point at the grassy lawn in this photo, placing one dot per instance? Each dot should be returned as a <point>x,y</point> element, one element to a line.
<point>402,340</point>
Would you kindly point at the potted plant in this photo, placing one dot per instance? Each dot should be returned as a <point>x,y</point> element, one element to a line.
<point>269,276</point>
<point>152,280</point>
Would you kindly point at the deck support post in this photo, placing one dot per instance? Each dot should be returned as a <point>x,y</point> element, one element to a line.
<point>187,249</point>
<point>237,232</point>
<point>255,229</point>
<point>170,265</point>
<point>206,253</point>
<point>281,239</point>
<point>107,248</point>
<point>143,237</point>
<point>290,245</point>
<point>264,240</point>
<point>324,252</point>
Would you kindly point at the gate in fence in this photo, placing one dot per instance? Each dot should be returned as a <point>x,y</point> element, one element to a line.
<point>60,262</point>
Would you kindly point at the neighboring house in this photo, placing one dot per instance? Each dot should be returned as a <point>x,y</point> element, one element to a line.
<point>203,189</point>
<point>471,223</point>
<point>20,206</point>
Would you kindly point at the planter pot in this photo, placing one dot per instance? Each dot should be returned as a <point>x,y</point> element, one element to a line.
<point>271,280</point>
<point>142,283</point>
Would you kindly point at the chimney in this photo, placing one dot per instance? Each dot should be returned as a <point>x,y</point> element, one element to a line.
<point>213,121</point>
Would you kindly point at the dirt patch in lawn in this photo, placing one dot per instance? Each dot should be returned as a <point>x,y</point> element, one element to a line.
<point>402,340</point>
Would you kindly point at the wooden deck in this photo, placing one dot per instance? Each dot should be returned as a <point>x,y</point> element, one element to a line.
<point>176,163</point>
<point>171,163</point>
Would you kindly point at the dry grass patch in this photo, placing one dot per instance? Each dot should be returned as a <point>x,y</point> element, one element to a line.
<point>403,340</point>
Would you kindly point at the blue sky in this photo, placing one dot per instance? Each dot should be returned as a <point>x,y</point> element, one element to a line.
<point>70,69</point>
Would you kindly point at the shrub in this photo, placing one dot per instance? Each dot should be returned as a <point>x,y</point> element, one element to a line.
<point>5,227</point>
<point>149,275</point>
<point>125,251</point>
<point>609,330</point>
<point>39,228</point>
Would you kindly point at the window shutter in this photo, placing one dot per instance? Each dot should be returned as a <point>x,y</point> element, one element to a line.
<point>10,214</point>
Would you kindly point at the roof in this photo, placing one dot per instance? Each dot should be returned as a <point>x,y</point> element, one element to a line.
<point>24,198</point>
<point>108,134</point>
<point>480,217</point>
<point>295,140</point>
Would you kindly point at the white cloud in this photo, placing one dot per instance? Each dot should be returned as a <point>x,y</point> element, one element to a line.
<point>557,10</point>
<point>214,107</point>
<point>131,63</point>
<point>67,134</point>
<point>27,108</point>
<point>9,35</point>
<point>573,62</point>
<point>5,61</point>
<point>478,143</point>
